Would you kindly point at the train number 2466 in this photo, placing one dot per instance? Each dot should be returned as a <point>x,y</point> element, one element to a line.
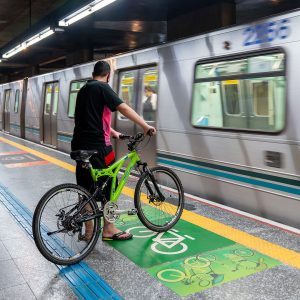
<point>266,32</point>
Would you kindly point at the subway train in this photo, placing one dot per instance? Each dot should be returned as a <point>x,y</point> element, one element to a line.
<point>226,105</point>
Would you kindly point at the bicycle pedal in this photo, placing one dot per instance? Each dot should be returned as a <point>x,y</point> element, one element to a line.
<point>132,212</point>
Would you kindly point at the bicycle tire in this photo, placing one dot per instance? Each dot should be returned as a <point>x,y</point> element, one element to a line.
<point>138,202</point>
<point>36,226</point>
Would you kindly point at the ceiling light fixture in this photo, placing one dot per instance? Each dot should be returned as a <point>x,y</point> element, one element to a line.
<point>84,11</point>
<point>14,51</point>
<point>32,40</point>
<point>40,36</point>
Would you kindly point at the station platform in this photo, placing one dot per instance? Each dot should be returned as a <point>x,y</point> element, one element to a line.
<point>213,252</point>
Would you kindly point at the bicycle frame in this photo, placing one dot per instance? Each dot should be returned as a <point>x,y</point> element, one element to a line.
<point>113,171</point>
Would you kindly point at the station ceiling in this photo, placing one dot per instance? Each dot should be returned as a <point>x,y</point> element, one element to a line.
<point>123,25</point>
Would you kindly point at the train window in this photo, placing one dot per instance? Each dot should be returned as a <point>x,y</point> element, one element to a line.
<point>261,98</point>
<point>221,69</point>
<point>75,87</point>
<point>55,98</point>
<point>48,96</point>
<point>127,89</point>
<point>231,96</point>
<point>17,99</point>
<point>149,102</point>
<point>245,94</point>
<point>7,100</point>
<point>51,98</point>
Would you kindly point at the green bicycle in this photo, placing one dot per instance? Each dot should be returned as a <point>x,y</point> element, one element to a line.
<point>60,216</point>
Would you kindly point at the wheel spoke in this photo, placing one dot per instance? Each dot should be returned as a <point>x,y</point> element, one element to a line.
<point>156,214</point>
<point>52,215</point>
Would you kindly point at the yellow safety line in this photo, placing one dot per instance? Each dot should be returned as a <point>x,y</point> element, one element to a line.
<point>280,253</point>
<point>49,158</point>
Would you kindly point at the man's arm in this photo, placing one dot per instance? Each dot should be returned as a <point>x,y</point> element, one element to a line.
<point>128,112</point>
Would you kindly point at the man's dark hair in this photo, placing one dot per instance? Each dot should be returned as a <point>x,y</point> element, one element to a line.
<point>101,68</point>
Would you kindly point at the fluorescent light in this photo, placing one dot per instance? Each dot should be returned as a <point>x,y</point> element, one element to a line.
<point>102,4</point>
<point>40,36</point>
<point>32,40</point>
<point>84,11</point>
<point>14,51</point>
<point>76,18</point>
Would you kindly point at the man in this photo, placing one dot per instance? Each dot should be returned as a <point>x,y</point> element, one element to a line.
<point>94,104</point>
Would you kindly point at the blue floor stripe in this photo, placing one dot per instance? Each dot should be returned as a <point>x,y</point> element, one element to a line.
<point>83,280</point>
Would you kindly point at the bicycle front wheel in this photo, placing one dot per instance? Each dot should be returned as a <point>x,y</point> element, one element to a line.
<point>159,199</point>
<point>59,235</point>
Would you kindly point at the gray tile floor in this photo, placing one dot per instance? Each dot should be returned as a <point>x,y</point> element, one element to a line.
<point>25,274</point>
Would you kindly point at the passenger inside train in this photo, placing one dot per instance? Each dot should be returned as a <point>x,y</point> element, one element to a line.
<point>149,103</point>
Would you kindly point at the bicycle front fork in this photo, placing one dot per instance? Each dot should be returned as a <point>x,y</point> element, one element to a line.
<point>153,180</point>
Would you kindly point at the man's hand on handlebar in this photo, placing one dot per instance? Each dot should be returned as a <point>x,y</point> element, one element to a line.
<point>149,130</point>
<point>115,134</point>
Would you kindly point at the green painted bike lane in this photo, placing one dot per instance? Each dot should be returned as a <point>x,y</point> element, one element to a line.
<point>189,259</point>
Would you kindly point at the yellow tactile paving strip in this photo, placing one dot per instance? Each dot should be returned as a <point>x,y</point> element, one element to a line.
<point>282,254</point>
<point>49,158</point>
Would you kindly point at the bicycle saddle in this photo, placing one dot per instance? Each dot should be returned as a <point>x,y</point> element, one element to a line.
<point>82,155</point>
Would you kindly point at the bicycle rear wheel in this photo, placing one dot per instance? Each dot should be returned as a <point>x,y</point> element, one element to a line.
<point>54,213</point>
<point>159,199</point>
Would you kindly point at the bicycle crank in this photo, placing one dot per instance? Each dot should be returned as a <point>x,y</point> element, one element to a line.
<point>111,212</point>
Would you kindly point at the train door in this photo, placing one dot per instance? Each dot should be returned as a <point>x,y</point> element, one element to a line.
<point>50,113</point>
<point>138,88</point>
<point>147,103</point>
<point>23,108</point>
<point>127,90</point>
<point>6,110</point>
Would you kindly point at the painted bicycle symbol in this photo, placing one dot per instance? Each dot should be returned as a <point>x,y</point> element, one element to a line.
<point>168,243</point>
<point>196,269</point>
<point>243,261</point>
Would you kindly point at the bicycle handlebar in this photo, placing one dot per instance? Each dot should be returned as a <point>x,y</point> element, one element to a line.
<point>134,140</point>
<point>124,137</point>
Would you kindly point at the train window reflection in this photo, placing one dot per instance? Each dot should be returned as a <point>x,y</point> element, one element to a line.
<point>149,99</point>
<point>17,99</point>
<point>127,90</point>
<point>75,87</point>
<point>253,99</point>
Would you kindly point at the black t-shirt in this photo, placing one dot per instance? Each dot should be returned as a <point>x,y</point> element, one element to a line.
<point>94,104</point>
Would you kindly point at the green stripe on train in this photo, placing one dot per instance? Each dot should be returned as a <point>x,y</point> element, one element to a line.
<point>216,173</point>
<point>232,170</point>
